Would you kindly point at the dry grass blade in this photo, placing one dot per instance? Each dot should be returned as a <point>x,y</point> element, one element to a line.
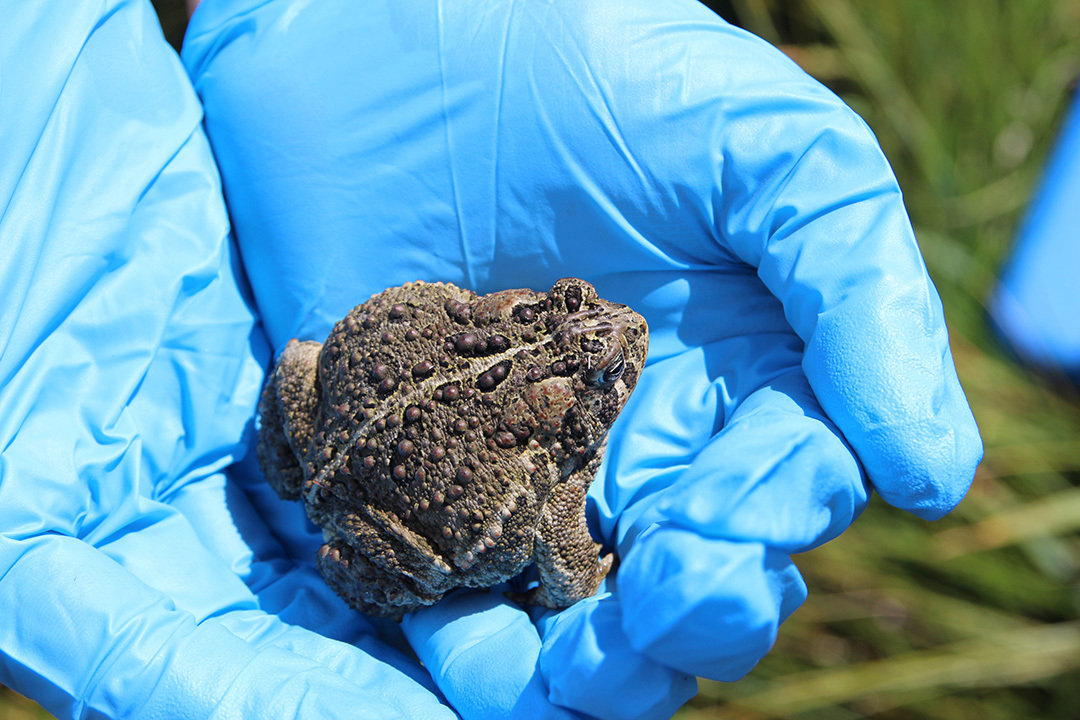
<point>1010,657</point>
<point>1056,514</point>
<point>15,707</point>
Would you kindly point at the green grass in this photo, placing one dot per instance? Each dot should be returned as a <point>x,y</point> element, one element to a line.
<point>975,616</point>
<point>15,707</point>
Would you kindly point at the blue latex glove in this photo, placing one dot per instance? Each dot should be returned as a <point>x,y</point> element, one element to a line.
<point>135,580</point>
<point>1037,303</point>
<point>798,352</point>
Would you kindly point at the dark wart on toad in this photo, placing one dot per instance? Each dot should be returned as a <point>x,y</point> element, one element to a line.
<point>443,439</point>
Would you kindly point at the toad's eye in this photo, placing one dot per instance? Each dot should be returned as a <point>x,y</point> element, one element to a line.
<point>606,377</point>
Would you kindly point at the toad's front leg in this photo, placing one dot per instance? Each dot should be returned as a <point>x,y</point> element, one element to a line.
<point>567,557</point>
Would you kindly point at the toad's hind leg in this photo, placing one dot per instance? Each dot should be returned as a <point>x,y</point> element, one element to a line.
<point>380,569</point>
<point>567,558</point>
<point>367,587</point>
<point>287,417</point>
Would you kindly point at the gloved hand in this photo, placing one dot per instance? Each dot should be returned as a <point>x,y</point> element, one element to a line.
<point>798,351</point>
<point>135,581</point>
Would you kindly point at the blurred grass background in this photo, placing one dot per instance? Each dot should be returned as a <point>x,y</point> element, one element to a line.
<point>977,615</point>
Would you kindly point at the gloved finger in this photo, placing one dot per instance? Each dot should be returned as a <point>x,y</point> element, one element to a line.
<point>488,658</point>
<point>483,652</point>
<point>585,648</point>
<point>729,439</point>
<point>821,217</point>
<point>91,637</point>
<point>779,473</point>
<point>705,606</point>
<point>686,605</point>
<point>705,579</point>
<point>705,587</point>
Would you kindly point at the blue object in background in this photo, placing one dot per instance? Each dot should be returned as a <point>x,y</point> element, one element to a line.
<point>1037,304</point>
